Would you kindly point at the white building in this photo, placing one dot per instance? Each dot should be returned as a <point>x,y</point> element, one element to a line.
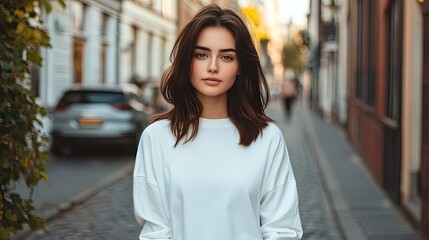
<point>148,31</point>
<point>84,48</point>
<point>104,42</point>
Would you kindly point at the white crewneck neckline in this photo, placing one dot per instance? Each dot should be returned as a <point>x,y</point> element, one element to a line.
<point>216,123</point>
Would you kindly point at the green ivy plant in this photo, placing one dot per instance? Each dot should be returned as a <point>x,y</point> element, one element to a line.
<point>21,139</point>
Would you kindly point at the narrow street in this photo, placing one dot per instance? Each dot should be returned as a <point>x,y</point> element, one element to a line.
<point>357,72</point>
<point>109,214</point>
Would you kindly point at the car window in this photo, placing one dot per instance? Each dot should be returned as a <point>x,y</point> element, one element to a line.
<point>94,97</point>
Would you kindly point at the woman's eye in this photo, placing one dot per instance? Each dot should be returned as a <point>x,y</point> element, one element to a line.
<point>227,58</point>
<point>200,55</point>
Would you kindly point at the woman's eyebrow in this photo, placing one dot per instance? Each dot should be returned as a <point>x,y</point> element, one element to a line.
<point>221,50</point>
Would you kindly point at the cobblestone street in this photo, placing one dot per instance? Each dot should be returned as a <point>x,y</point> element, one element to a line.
<point>109,215</point>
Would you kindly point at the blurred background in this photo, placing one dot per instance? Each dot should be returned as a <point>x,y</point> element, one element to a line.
<point>360,66</point>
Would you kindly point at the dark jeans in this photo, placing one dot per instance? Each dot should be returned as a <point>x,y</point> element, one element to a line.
<point>288,102</point>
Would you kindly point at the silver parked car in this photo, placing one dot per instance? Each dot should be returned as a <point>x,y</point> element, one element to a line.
<point>98,116</point>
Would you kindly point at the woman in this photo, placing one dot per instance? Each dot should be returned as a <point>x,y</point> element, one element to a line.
<point>215,167</point>
<point>289,93</point>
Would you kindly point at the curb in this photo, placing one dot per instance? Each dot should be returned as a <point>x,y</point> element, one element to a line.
<point>55,212</point>
<point>100,186</point>
<point>349,227</point>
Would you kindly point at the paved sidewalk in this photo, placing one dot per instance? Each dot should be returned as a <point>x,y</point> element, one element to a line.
<point>362,209</point>
<point>317,219</point>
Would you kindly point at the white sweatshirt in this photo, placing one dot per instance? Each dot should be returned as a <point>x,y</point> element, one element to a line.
<point>212,188</point>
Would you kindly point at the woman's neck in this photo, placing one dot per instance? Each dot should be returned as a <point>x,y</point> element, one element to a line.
<point>214,107</point>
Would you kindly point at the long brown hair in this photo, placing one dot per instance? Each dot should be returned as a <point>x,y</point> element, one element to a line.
<point>246,99</point>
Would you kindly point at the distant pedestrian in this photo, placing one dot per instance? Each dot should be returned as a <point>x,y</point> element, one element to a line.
<point>289,93</point>
<point>215,167</point>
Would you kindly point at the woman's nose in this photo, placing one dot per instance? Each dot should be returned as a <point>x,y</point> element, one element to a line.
<point>213,66</point>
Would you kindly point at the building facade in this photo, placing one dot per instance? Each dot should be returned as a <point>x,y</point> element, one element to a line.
<point>84,48</point>
<point>385,98</point>
<point>147,34</point>
<point>423,191</point>
<point>384,69</point>
<point>104,42</point>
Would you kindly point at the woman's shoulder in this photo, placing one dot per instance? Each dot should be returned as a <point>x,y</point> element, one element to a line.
<point>270,134</point>
<point>157,127</point>
<point>272,130</point>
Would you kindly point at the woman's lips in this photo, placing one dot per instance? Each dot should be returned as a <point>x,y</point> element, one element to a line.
<point>211,81</point>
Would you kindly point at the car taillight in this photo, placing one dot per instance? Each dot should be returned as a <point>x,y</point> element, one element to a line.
<point>122,106</point>
<point>62,106</point>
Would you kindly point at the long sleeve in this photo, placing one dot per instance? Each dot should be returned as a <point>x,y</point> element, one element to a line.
<point>279,212</point>
<point>148,201</point>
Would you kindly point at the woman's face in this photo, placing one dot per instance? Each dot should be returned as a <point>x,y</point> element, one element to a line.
<point>215,63</point>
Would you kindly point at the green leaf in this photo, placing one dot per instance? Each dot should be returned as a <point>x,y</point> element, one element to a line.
<point>6,66</point>
<point>15,198</point>
<point>62,3</point>
<point>44,176</point>
<point>5,75</point>
<point>48,7</point>
<point>34,57</point>
<point>29,8</point>
<point>37,35</point>
<point>10,216</point>
<point>19,13</point>
<point>5,163</point>
<point>37,222</point>
<point>20,27</point>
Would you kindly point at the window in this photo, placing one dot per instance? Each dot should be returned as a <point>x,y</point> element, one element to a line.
<point>359,50</point>
<point>104,47</point>
<point>84,96</point>
<point>163,51</point>
<point>372,53</point>
<point>394,67</point>
<point>105,25</point>
<point>103,67</point>
<point>149,54</point>
<point>78,54</point>
<point>134,50</point>
<point>79,12</point>
<point>366,52</point>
